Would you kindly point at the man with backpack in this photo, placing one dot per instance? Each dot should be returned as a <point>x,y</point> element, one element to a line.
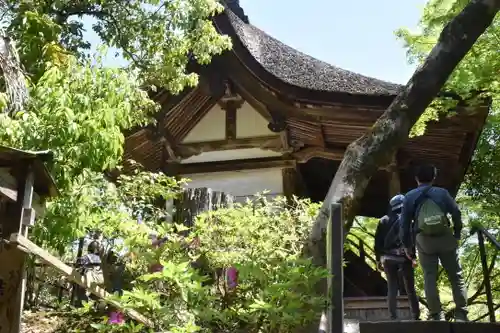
<point>424,219</point>
<point>392,259</point>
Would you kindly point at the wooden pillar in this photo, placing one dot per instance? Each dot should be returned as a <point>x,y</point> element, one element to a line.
<point>292,183</point>
<point>394,180</point>
<point>12,273</point>
<point>289,182</point>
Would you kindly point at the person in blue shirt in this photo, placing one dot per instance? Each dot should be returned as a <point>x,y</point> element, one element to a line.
<point>392,260</point>
<point>434,247</point>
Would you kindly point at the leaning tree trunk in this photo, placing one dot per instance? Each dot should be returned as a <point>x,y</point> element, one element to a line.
<point>14,81</point>
<point>377,147</point>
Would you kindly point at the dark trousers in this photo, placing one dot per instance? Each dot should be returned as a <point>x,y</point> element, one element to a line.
<point>392,269</point>
<point>449,261</point>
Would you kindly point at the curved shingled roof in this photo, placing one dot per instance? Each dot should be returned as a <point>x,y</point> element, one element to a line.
<point>302,70</point>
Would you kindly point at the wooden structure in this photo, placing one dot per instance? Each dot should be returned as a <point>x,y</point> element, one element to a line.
<point>24,183</point>
<point>266,116</point>
<point>30,248</point>
<point>428,326</point>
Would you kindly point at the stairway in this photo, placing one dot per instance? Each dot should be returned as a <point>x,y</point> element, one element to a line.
<point>374,308</point>
<point>427,327</point>
<point>371,309</point>
<point>370,315</point>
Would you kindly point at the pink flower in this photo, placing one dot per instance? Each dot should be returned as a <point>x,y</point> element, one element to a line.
<point>232,277</point>
<point>116,318</point>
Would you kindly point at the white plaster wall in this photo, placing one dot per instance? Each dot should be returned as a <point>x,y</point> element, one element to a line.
<point>231,154</point>
<point>249,123</point>
<point>212,127</point>
<point>240,184</point>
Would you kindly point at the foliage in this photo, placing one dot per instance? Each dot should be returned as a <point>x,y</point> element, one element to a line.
<point>475,77</point>
<point>79,110</point>
<point>477,72</point>
<point>158,37</point>
<point>191,293</point>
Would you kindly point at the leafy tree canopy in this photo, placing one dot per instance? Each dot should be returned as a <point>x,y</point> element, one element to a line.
<point>78,108</point>
<point>158,37</point>
<point>479,196</point>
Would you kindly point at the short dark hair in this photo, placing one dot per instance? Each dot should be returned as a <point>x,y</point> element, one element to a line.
<point>93,247</point>
<point>426,173</point>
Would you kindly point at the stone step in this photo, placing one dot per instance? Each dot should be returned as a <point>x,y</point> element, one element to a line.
<point>427,327</point>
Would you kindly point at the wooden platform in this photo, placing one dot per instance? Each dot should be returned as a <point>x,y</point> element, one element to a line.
<point>427,327</point>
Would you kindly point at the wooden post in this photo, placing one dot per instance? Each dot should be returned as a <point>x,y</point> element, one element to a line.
<point>79,254</point>
<point>335,255</point>
<point>198,200</point>
<point>12,272</point>
<point>27,220</point>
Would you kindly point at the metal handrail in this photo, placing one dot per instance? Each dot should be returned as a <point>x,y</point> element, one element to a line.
<point>481,234</point>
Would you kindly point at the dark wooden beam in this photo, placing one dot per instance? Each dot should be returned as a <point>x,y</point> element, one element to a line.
<point>304,155</point>
<point>293,184</point>
<point>265,142</point>
<point>230,109</point>
<point>285,140</point>
<point>289,188</point>
<point>322,135</point>
<point>236,165</point>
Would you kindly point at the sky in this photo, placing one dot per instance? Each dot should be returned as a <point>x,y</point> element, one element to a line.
<point>354,35</point>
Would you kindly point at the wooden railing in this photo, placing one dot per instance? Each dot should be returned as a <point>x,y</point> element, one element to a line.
<point>481,235</point>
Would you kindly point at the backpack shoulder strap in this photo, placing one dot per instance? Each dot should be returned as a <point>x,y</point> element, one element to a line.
<point>391,229</point>
<point>420,199</point>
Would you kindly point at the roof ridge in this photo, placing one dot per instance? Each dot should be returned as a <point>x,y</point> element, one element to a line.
<point>300,69</point>
<point>234,6</point>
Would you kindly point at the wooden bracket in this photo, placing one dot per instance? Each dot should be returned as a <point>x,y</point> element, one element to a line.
<point>278,122</point>
<point>304,155</point>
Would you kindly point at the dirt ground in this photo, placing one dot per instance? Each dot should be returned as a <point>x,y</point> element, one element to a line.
<point>40,322</point>
<point>55,322</point>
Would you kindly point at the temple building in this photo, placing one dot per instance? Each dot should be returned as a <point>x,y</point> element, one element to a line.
<point>268,117</point>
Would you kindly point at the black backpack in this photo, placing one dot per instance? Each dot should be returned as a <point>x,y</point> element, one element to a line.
<point>392,240</point>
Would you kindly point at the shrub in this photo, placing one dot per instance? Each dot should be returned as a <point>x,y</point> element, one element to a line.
<point>240,269</point>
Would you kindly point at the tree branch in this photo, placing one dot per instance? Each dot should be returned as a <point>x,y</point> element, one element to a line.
<point>377,147</point>
<point>481,286</point>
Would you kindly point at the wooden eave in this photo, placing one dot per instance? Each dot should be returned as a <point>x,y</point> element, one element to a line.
<point>15,159</point>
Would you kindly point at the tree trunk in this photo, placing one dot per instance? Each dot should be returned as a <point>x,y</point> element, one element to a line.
<point>13,76</point>
<point>377,147</point>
